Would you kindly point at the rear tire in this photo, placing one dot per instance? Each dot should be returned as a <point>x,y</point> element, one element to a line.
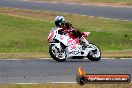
<point>92,57</point>
<point>52,54</point>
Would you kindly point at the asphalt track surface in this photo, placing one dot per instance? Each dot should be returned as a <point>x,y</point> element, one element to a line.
<point>122,13</point>
<point>48,70</point>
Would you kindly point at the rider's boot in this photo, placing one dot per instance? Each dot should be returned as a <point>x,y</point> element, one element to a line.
<point>86,43</point>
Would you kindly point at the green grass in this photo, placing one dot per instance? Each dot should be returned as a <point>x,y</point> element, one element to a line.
<point>22,34</point>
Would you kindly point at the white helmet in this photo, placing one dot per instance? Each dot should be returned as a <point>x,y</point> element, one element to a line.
<point>59,20</point>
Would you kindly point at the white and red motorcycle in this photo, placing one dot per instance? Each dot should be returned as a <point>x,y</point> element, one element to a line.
<point>63,47</point>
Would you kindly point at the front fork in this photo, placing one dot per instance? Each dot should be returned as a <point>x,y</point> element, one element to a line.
<point>59,48</point>
<point>57,45</point>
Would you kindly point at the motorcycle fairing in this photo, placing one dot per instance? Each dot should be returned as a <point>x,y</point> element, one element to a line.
<point>62,38</point>
<point>78,51</point>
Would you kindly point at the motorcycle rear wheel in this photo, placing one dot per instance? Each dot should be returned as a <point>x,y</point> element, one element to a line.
<point>94,56</point>
<point>53,51</point>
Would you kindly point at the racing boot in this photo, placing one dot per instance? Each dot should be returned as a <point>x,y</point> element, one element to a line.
<point>85,43</point>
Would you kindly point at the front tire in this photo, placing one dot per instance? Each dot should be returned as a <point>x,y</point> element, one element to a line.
<point>94,55</point>
<point>54,53</point>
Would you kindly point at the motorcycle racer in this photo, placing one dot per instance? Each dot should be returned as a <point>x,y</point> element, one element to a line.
<point>67,27</point>
<point>67,42</point>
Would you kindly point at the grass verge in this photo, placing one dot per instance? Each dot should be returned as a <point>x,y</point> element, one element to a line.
<point>24,55</point>
<point>66,86</point>
<point>26,31</point>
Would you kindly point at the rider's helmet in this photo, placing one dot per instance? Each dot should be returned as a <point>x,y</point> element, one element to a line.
<point>59,20</point>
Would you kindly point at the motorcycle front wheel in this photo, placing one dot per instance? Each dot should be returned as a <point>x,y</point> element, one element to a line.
<point>95,54</point>
<point>56,54</point>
